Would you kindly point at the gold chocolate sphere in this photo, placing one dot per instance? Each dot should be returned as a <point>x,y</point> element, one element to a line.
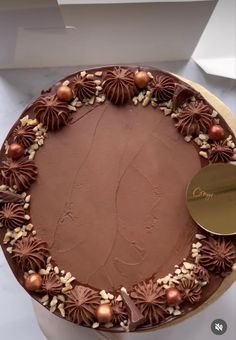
<point>33,282</point>
<point>104,313</point>
<point>64,93</point>
<point>141,79</point>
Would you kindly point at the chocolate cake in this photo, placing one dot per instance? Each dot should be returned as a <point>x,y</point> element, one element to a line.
<point>93,217</point>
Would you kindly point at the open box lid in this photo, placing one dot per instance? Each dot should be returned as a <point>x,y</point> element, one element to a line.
<point>43,33</point>
<point>216,50</point>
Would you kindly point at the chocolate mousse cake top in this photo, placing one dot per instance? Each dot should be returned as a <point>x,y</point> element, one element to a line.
<point>93,217</point>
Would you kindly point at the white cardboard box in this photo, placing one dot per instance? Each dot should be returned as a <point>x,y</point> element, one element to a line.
<point>41,33</point>
<point>216,50</point>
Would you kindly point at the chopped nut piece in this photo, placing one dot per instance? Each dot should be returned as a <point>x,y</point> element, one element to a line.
<point>200,236</point>
<point>184,270</point>
<point>194,250</point>
<point>110,296</point>
<point>188,138</point>
<point>198,245</point>
<point>56,270</point>
<point>9,250</point>
<point>72,108</point>
<point>61,298</point>
<point>32,155</point>
<point>205,146</point>
<point>203,137</point>
<point>70,280</point>
<point>174,115</point>
<point>27,198</point>
<point>203,154</point>
<point>170,310</point>
<point>104,302</point>
<point>66,83</point>
<point>98,73</point>
<point>188,265</point>
<point>92,100</point>
<point>97,82</point>
<point>119,298</point>
<point>67,288</point>
<point>61,309</point>
<point>79,104</point>
<point>140,97</point>
<point>83,74</point>
<point>104,295</point>
<point>150,75</point>
<point>53,301</point>
<point>98,88</point>
<point>176,312</point>
<point>166,111</point>
<point>95,325</point>
<point>154,103</point>
<point>43,272</point>
<point>68,276</point>
<point>146,101</point>
<point>45,298</point>
<point>90,76</point>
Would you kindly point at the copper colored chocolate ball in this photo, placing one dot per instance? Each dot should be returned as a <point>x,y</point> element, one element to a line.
<point>104,313</point>
<point>141,79</point>
<point>64,93</point>
<point>173,296</point>
<point>216,132</point>
<point>15,151</point>
<point>33,282</point>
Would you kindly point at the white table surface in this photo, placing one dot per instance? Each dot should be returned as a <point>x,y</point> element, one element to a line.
<point>17,321</point>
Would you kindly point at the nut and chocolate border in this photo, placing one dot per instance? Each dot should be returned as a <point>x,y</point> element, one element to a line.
<point>150,303</point>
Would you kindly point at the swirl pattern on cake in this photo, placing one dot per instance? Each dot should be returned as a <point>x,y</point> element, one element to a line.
<point>51,112</point>
<point>12,215</point>
<point>119,85</point>
<point>24,135</point>
<point>194,118</point>
<point>19,173</point>
<point>162,87</point>
<point>81,305</point>
<point>218,255</point>
<point>30,253</point>
<point>220,153</point>
<point>151,300</point>
<point>83,88</point>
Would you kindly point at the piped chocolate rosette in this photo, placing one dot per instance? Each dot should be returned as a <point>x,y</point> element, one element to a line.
<point>92,211</point>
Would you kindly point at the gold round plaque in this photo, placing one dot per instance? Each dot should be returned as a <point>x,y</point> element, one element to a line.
<point>211,199</point>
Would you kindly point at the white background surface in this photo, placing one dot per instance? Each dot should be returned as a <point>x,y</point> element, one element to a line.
<point>125,33</point>
<point>17,321</point>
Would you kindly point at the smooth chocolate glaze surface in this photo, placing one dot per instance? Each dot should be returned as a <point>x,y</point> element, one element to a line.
<point>110,197</point>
